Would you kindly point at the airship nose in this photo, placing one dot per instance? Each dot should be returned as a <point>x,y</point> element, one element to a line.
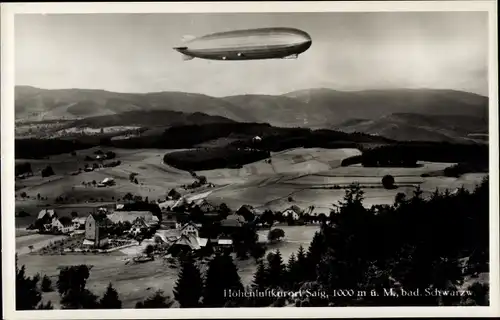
<point>305,44</point>
<point>306,40</point>
<point>180,49</point>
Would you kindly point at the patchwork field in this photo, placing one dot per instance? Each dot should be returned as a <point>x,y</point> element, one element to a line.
<point>308,176</point>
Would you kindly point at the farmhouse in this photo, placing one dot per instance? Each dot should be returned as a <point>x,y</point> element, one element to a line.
<point>247,212</point>
<point>168,236</point>
<point>233,223</point>
<point>256,139</point>
<point>44,220</point>
<point>96,234</point>
<point>205,206</point>
<point>106,182</point>
<point>79,223</point>
<point>190,229</point>
<point>139,226</point>
<point>46,214</point>
<point>173,220</point>
<point>185,243</point>
<point>63,225</point>
<point>294,211</point>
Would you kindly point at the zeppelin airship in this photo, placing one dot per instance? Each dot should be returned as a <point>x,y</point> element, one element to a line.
<point>251,44</point>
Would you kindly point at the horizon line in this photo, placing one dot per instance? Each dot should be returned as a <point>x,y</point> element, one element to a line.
<point>254,94</point>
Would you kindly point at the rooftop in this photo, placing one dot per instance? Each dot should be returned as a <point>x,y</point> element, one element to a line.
<point>131,216</point>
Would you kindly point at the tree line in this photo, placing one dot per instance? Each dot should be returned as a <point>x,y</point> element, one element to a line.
<point>213,158</point>
<point>188,136</point>
<point>406,154</point>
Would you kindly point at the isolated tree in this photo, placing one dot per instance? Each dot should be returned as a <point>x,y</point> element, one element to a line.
<point>267,217</point>
<point>94,183</point>
<point>276,270</point>
<point>400,199</point>
<point>260,283</point>
<point>110,155</point>
<point>202,179</point>
<point>149,250</point>
<point>301,259</point>
<point>71,287</point>
<point>174,194</point>
<point>480,294</point>
<point>223,210</point>
<point>260,279</point>
<point>189,286</point>
<point>196,214</point>
<point>222,275</point>
<point>128,196</point>
<point>291,271</point>
<point>46,284</point>
<point>74,214</point>
<point>275,234</point>
<point>131,176</point>
<point>23,195</point>
<point>388,181</point>
<point>313,257</point>
<point>27,294</point>
<point>47,172</point>
<point>38,196</point>
<point>157,301</point>
<point>257,251</point>
<point>110,299</point>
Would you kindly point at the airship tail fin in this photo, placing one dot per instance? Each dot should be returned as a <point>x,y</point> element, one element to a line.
<point>185,57</point>
<point>187,38</point>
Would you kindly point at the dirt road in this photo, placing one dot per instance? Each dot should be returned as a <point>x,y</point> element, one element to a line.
<point>38,241</point>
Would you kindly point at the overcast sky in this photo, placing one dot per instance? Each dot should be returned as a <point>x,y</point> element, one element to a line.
<point>350,51</point>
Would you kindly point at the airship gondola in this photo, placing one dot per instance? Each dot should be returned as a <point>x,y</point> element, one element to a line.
<point>251,44</point>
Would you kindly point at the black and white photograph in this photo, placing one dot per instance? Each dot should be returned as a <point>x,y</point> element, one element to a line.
<point>181,159</point>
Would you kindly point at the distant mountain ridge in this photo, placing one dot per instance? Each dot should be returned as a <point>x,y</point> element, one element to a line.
<point>409,126</point>
<point>150,118</point>
<point>372,104</point>
<point>427,110</point>
<point>42,104</point>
